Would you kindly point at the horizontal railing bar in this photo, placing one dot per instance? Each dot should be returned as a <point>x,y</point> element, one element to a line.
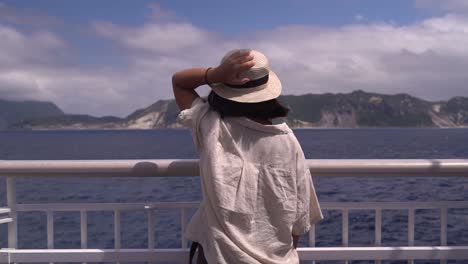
<point>6,220</point>
<point>180,255</point>
<point>384,253</point>
<point>92,255</point>
<point>393,205</point>
<point>4,210</point>
<point>104,206</point>
<point>179,205</point>
<point>98,168</point>
<point>189,167</point>
<point>389,167</point>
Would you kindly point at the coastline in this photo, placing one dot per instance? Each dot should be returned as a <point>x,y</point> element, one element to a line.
<point>181,128</point>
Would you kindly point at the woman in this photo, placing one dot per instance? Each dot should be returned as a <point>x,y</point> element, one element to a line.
<point>258,195</point>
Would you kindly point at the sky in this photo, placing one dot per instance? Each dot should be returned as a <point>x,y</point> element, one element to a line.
<point>111,57</point>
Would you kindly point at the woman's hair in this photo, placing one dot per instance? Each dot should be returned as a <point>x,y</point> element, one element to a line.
<point>263,110</point>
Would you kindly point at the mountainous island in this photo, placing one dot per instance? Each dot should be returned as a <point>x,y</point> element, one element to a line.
<point>351,110</point>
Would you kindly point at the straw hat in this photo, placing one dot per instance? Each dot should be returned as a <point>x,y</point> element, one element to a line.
<point>263,85</point>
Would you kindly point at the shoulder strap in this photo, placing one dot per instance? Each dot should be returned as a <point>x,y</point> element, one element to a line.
<point>193,248</point>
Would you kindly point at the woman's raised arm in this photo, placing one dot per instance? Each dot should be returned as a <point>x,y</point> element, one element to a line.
<point>186,81</point>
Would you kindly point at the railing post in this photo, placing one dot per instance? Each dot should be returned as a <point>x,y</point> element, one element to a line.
<point>344,227</point>
<point>410,231</point>
<point>50,229</point>
<point>117,229</point>
<point>117,235</point>
<point>183,223</point>
<point>150,213</point>
<point>11,203</point>
<point>378,230</point>
<point>84,229</point>
<point>443,229</point>
<point>312,238</point>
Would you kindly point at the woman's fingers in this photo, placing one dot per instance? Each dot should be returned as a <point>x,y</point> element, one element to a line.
<point>244,66</point>
<point>239,56</point>
<point>240,53</point>
<point>243,59</point>
<point>237,63</point>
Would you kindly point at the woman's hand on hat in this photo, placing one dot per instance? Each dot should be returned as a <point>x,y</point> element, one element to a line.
<point>231,67</point>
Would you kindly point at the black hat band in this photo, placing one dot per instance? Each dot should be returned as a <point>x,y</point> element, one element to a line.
<point>249,84</point>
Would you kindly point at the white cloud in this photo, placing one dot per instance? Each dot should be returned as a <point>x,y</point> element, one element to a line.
<point>359,17</point>
<point>153,37</point>
<point>31,67</point>
<point>20,49</point>
<point>427,59</point>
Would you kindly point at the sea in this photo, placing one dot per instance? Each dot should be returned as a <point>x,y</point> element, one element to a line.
<point>373,143</point>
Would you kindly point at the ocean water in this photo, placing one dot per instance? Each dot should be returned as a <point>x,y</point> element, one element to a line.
<point>162,144</point>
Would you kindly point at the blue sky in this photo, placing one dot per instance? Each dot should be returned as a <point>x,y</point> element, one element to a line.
<point>226,17</point>
<point>230,16</point>
<point>93,56</point>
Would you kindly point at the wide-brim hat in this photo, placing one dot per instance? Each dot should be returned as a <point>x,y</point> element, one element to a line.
<point>264,84</point>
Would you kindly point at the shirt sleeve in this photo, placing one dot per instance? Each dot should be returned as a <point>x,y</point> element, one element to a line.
<point>191,118</point>
<point>308,210</point>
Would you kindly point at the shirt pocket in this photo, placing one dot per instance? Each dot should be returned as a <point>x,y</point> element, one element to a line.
<point>281,183</point>
<point>227,179</point>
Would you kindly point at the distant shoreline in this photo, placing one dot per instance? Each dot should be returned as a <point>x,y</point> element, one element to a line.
<point>293,128</point>
<point>355,110</point>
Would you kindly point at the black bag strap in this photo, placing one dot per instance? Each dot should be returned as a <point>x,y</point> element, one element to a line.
<point>193,248</point>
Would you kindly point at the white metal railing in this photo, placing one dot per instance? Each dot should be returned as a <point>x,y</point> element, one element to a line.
<point>150,168</point>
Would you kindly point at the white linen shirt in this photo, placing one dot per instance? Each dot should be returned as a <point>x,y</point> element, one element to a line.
<point>257,189</point>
